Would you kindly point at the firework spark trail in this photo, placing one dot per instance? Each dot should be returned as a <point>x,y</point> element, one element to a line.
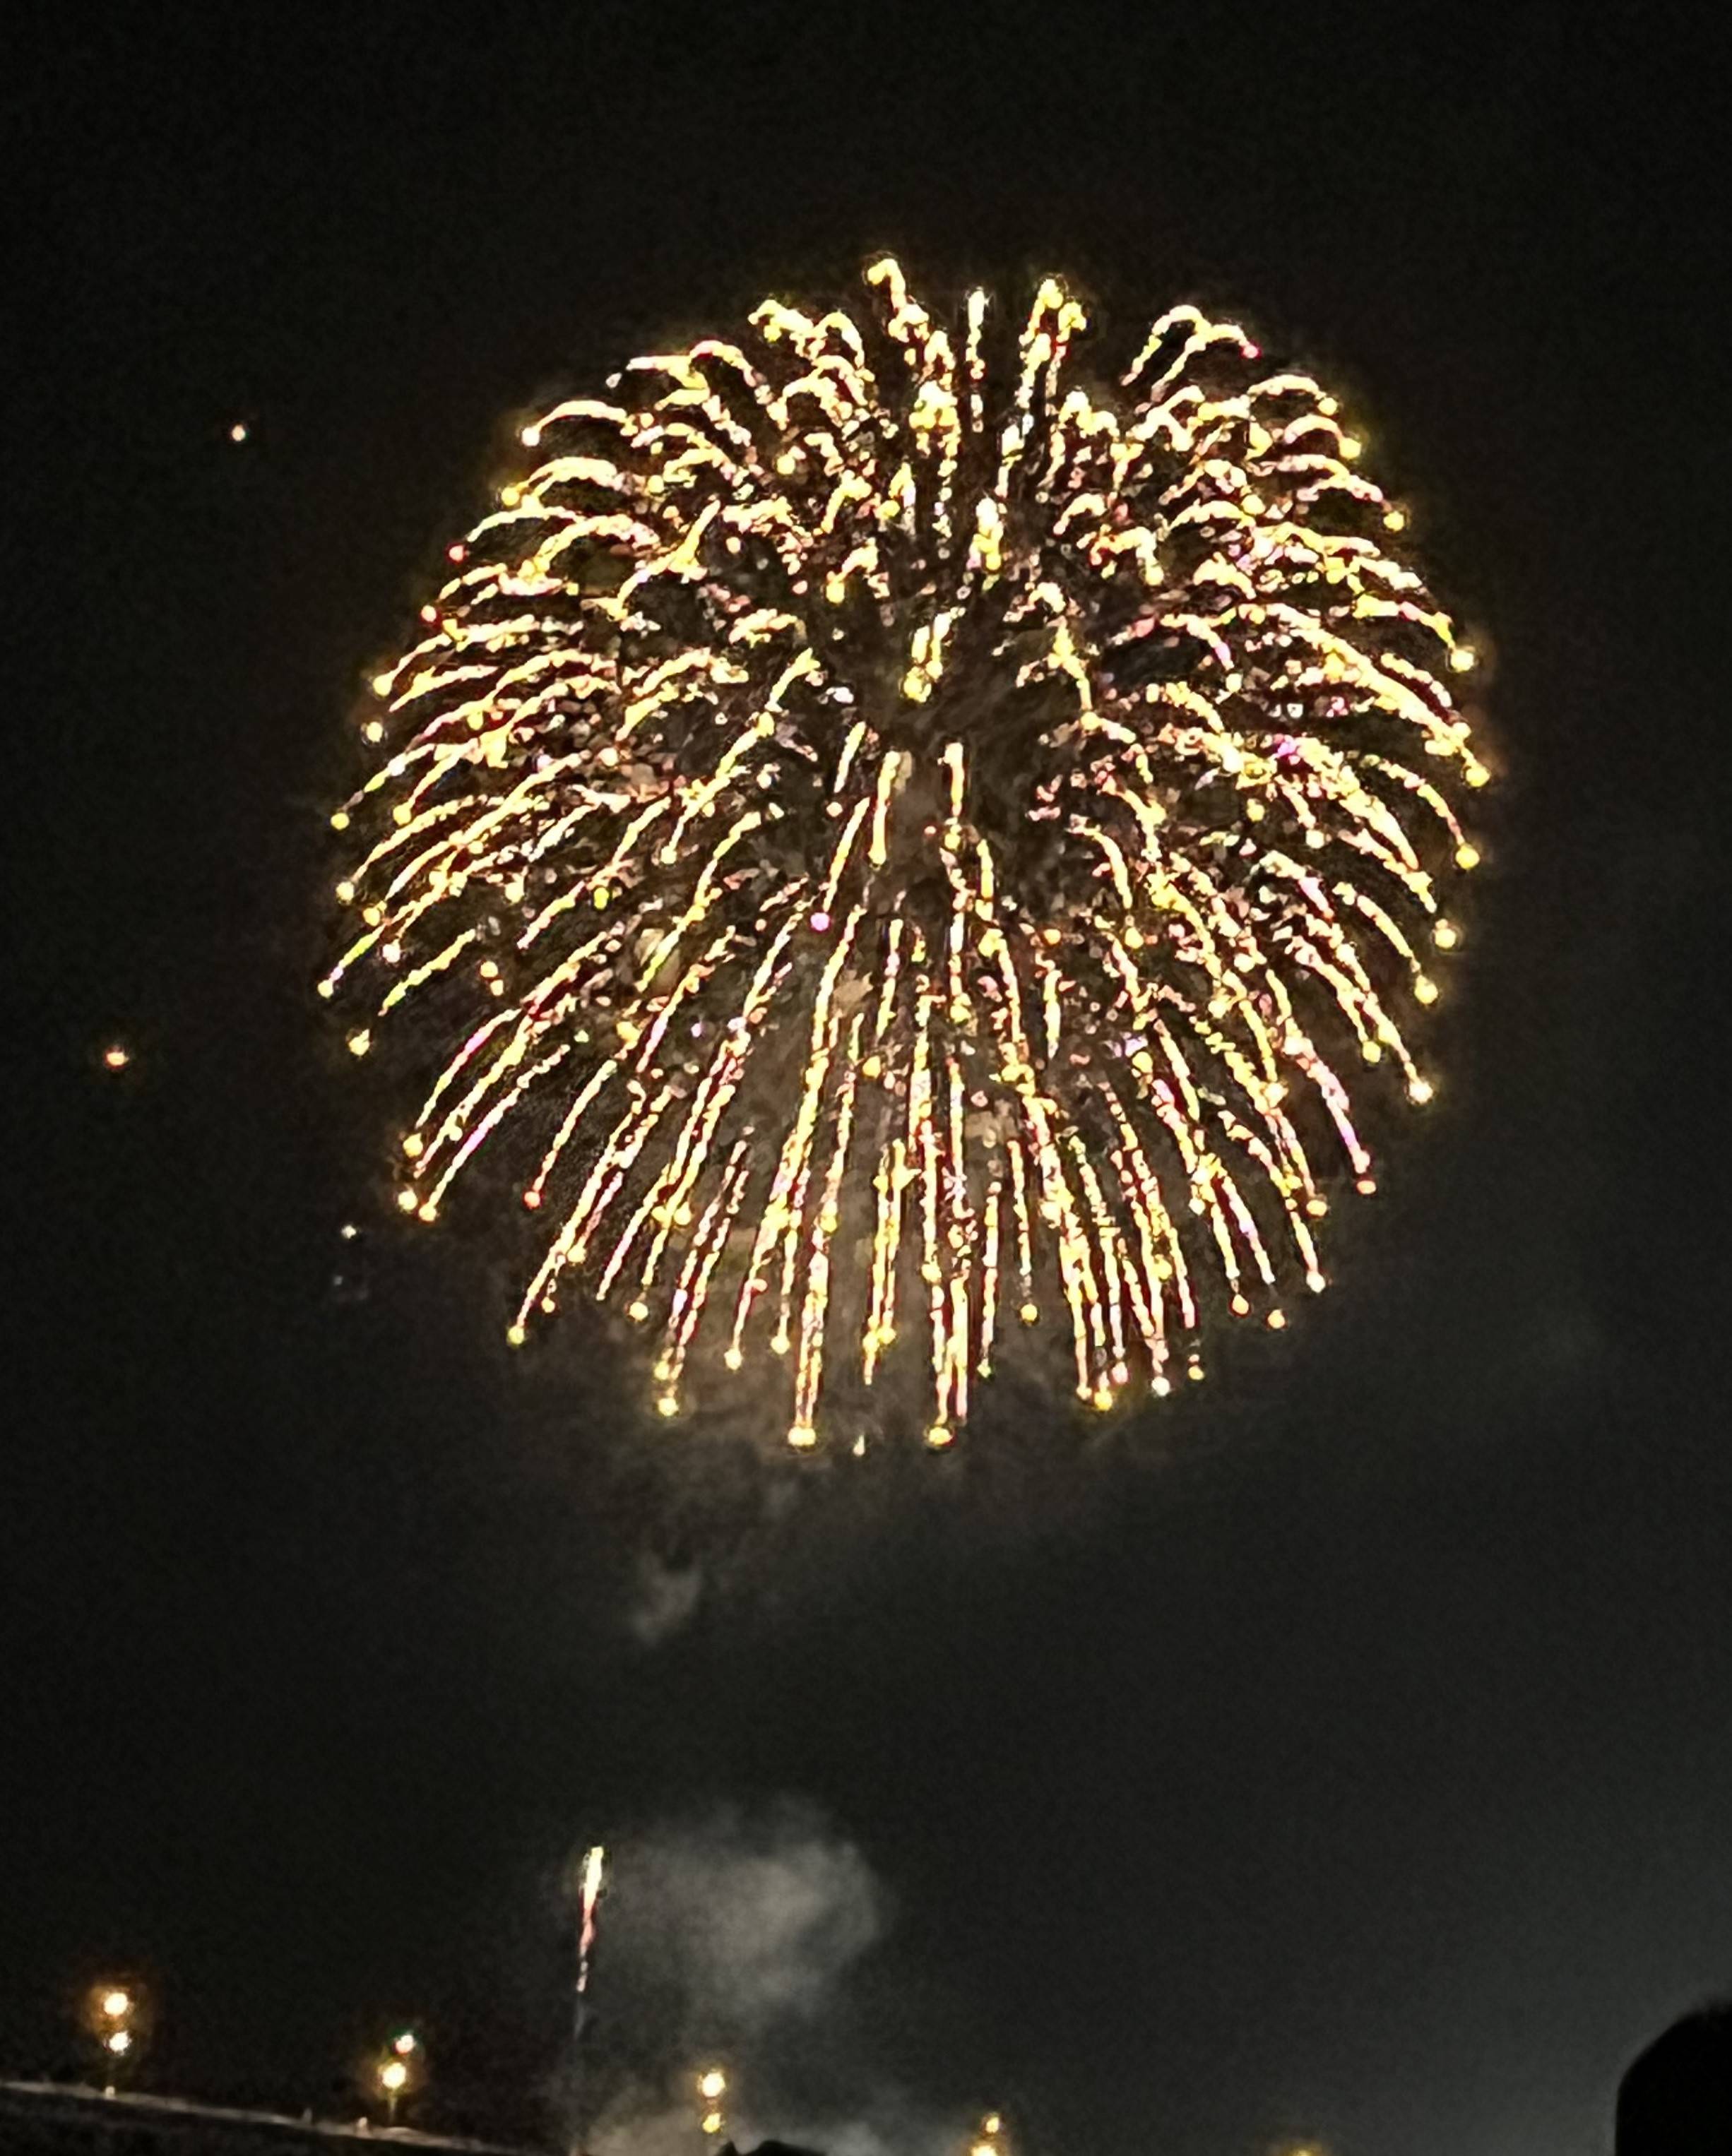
<point>885,840</point>
<point>589,1886</point>
<point>588,1899</point>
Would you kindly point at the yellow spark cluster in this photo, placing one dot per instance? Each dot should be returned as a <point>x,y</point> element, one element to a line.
<point>890,842</point>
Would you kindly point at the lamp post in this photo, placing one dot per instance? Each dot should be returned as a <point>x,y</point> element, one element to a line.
<point>113,2014</point>
<point>712,2089</point>
<point>989,2137</point>
<point>397,2069</point>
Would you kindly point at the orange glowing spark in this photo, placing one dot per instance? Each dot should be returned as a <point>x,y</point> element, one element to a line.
<point>887,836</point>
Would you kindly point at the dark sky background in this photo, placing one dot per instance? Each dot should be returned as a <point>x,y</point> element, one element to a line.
<point>1347,1750</point>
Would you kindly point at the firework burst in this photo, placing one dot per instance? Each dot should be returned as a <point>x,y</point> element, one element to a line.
<point>890,842</point>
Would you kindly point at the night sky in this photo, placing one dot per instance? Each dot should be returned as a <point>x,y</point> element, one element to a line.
<point>1345,1750</point>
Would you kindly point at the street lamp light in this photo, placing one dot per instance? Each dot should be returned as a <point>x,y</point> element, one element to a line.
<point>397,2069</point>
<point>393,2079</point>
<point>712,2088</point>
<point>112,2014</point>
<point>988,2139</point>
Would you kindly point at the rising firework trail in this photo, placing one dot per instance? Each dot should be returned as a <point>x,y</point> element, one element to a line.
<point>883,841</point>
<point>589,1895</point>
<point>589,1882</point>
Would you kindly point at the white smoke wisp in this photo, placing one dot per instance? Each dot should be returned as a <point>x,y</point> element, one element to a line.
<point>731,1939</point>
<point>894,2128</point>
<point>663,1599</point>
<point>750,1920</point>
<point>635,2125</point>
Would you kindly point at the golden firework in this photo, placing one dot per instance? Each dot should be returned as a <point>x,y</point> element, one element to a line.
<point>888,837</point>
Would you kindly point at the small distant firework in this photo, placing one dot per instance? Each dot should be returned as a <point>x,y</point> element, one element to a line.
<point>114,1057</point>
<point>881,837</point>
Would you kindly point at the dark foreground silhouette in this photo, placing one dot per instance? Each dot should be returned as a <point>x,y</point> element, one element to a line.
<point>1676,2099</point>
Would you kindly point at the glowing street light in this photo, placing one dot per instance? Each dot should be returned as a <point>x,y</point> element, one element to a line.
<point>397,2069</point>
<point>112,2014</point>
<point>990,2139</point>
<point>712,2088</point>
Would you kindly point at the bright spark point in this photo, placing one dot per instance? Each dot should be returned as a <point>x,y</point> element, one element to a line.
<point>1108,766</point>
<point>116,1058</point>
<point>238,432</point>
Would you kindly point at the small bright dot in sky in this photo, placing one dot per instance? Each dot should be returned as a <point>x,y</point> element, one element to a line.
<point>117,1057</point>
<point>238,432</point>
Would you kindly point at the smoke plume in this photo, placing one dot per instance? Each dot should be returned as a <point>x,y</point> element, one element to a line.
<point>736,1938</point>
